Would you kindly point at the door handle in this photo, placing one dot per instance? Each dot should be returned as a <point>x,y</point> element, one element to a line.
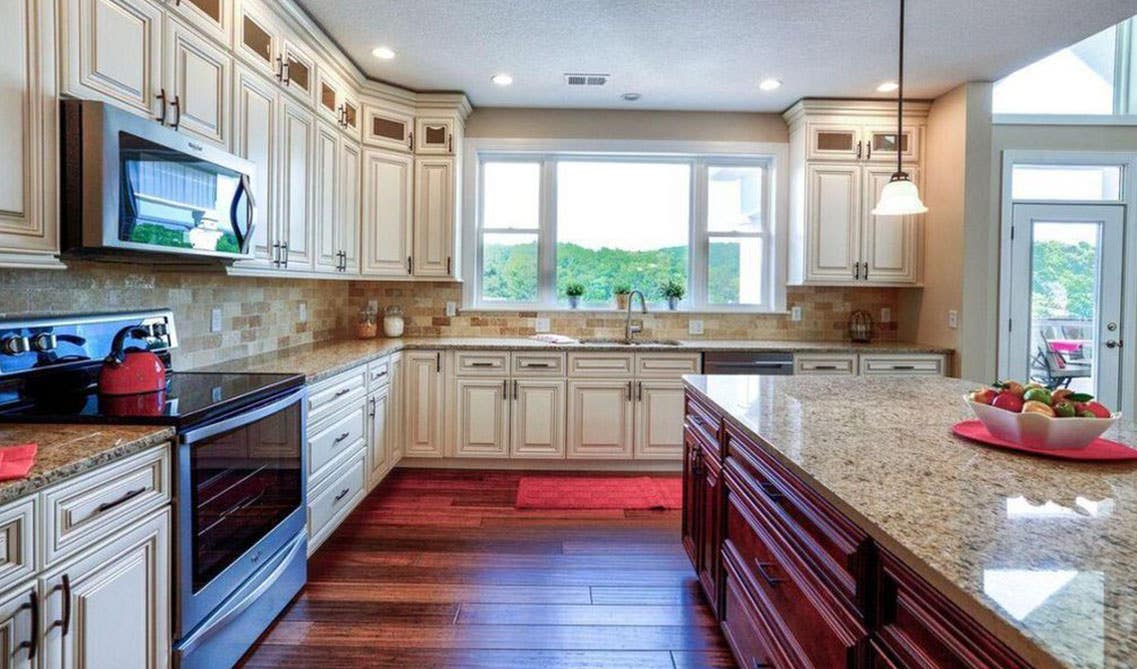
<point>1112,343</point>
<point>763,571</point>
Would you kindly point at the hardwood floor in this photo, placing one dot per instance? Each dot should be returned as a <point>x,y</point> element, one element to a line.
<point>437,569</point>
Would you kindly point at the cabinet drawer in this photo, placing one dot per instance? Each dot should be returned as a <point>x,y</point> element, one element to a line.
<point>825,364</point>
<point>800,608</point>
<point>331,396</point>
<point>666,365</point>
<point>84,510</point>
<point>539,364</point>
<point>745,630</point>
<point>822,536</point>
<point>600,365</point>
<point>481,363</point>
<point>344,432</point>
<point>902,365</point>
<point>704,424</point>
<point>378,374</point>
<point>334,500</point>
<point>17,542</point>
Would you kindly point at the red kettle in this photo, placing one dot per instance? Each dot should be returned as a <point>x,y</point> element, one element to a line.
<point>131,372</point>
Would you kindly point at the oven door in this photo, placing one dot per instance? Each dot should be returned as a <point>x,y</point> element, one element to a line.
<point>241,498</point>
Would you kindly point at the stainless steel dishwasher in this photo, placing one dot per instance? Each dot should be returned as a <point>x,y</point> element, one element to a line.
<point>748,362</point>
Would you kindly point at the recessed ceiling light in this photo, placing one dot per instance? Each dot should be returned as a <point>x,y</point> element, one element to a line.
<point>770,84</point>
<point>630,97</point>
<point>383,52</point>
<point>502,79</point>
<point>887,87</point>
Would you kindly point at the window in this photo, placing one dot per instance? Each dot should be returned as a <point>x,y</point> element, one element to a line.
<point>1066,182</point>
<point>637,221</point>
<point>1092,77</point>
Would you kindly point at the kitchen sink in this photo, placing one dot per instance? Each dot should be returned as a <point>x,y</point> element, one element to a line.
<point>602,341</point>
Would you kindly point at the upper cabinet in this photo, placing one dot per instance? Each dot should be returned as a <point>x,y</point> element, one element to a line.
<point>842,153</point>
<point>199,77</point>
<point>214,18</point>
<point>434,216</point>
<point>336,101</point>
<point>388,127</point>
<point>434,136</point>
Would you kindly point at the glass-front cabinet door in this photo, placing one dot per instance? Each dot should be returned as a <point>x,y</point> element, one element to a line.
<point>212,17</point>
<point>257,40</point>
<point>298,75</point>
<point>434,135</point>
<point>388,128</point>
<point>880,143</point>
<point>835,142</point>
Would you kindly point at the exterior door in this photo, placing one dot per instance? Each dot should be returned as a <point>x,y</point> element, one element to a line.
<point>600,419</point>
<point>254,139</point>
<point>659,420</point>
<point>388,186</point>
<point>482,418</point>
<point>834,220</point>
<point>538,419</point>
<point>1064,327</point>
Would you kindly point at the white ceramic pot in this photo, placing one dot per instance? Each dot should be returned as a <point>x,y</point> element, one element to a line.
<point>1038,431</point>
<point>393,326</point>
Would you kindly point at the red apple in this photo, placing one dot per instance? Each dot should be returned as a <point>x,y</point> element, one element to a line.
<point>1098,409</point>
<point>1008,401</point>
<point>984,395</point>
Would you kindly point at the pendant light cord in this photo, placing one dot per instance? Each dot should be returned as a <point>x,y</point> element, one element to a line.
<point>900,97</point>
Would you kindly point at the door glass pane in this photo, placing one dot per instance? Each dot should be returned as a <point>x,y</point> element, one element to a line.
<point>328,97</point>
<point>834,141</point>
<point>299,74</point>
<point>886,142</point>
<point>435,135</point>
<point>1065,285</point>
<point>1066,182</point>
<point>384,127</point>
<point>211,8</point>
<point>734,198</point>
<point>509,267</point>
<point>257,39</point>
<point>349,114</point>
<point>734,271</point>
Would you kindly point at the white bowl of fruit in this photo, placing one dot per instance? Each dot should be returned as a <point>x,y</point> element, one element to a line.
<point>1037,417</point>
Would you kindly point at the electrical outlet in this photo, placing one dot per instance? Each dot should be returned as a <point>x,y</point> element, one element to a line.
<point>885,315</point>
<point>795,313</point>
<point>953,319</point>
<point>541,325</point>
<point>215,320</point>
<point>303,316</point>
<point>695,327</point>
<point>451,309</point>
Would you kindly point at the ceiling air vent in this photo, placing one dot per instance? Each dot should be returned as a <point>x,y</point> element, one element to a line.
<point>582,79</point>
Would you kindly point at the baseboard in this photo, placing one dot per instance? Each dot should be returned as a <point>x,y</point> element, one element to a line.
<point>670,466</point>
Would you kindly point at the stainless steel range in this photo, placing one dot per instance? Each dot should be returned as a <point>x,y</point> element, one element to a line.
<point>240,547</point>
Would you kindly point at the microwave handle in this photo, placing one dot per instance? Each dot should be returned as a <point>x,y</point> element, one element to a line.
<point>243,419</point>
<point>244,239</point>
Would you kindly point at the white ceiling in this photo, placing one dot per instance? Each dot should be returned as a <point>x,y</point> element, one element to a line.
<point>701,54</point>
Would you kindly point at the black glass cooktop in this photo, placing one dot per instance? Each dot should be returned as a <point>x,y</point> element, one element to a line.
<point>190,397</point>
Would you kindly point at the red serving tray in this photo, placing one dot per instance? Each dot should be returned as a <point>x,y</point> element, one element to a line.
<point>1099,450</point>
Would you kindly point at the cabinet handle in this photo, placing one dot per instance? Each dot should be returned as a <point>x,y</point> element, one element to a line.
<point>280,69</point>
<point>904,367</point>
<point>284,254</point>
<point>340,438</point>
<point>447,264</point>
<point>868,151</point>
<point>438,362</point>
<point>32,644</point>
<point>866,270</point>
<point>162,97</point>
<point>826,368</point>
<point>629,395</point>
<point>857,270</point>
<point>482,364</point>
<point>65,621</point>
<point>411,140</point>
<point>505,390</point>
<point>177,105</point>
<point>860,146</point>
<point>410,265</point>
<point>639,391</point>
<point>450,144</point>
<point>536,365</point>
<point>371,414</point>
<point>130,494</point>
<point>343,493</point>
<point>342,391</point>
<point>516,395</point>
<point>285,78</point>
<point>762,567</point>
<point>771,490</point>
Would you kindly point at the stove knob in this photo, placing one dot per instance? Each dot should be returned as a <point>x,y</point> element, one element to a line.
<point>14,345</point>
<point>158,329</point>
<point>43,342</point>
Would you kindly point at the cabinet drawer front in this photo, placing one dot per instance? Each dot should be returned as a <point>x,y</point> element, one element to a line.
<point>704,424</point>
<point>334,500</point>
<point>17,542</point>
<point>600,365</point>
<point>481,363</point>
<point>902,365</point>
<point>343,433</point>
<point>331,396</point>
<point>82,511</point>
<point>666,365</point>
<point>825,364</point>
<point>539,364</point>
<point>799,607</point>
<point>378,374</point>
<point>745,629</point>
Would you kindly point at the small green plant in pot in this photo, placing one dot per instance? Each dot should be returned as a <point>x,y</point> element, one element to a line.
<point>622,291</point>
<point>673,291</point>
<point>573,291</point>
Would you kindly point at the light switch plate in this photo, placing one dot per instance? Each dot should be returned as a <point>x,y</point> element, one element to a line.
<point>541,325</point>
<point>795,313</point>
<point>885,315</point>
<point>215,320</point>
<point>695,327</point>
<point>303,315</point>
<point>451,309</point>
<point>953,319</point>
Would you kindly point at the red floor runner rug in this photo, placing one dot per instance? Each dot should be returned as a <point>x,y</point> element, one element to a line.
<point>579,492</point>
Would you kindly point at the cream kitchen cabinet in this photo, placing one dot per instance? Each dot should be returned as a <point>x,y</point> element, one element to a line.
<point>264,42</point>
<point>481,414</point>
<point>388,223</point>
<point>434,135</point>
<point>213,18</point>
<point>537,419</point>
<point>890,245</point>
<point>435,213</point>
<point>659,419</point>
<point>851,140</point>
<point>29,108</point>
<point>199,77</point>
<point>17,610</point>
<point>388,127</point>
<point>255,138</point>
<point>601,419</point>
<point>336,201</point>
<point>297,139</point>
<point>379,441</point>
<point>424,401</point>
<point>337,102</point>
<point>396,439</point>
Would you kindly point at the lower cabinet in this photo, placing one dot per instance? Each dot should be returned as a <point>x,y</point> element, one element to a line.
<point>423,428</point>
<point>659,420</point>
<point>710,518</point>
<point>537,419</point>
<point>509,418</point>
<point>481,412</point>
<point>600,419</point>
<point>17,610</point>
<point>378,440</point>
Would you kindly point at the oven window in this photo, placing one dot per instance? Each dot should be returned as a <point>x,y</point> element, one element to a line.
<point>244,483</point>
<point>175,200</point>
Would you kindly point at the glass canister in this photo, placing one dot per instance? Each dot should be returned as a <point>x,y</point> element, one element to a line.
<point>367,326</point>
<point>393,324</point>
<point>860,327</point>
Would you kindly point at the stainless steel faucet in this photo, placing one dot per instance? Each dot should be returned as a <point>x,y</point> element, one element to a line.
<point>629,327</point>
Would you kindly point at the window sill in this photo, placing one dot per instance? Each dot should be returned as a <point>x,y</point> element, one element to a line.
<point>614,311</point>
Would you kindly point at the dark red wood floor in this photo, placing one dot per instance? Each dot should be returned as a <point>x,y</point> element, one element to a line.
<point>437,569</point>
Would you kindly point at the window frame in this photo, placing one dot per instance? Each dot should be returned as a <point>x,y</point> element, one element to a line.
<point>698,155</point>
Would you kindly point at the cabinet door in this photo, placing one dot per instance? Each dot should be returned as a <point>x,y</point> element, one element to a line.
<point>890,244</point>
<point>692,528</point>
<point>835,142</point>
<point>538,419</point>
<point>299,72</point>
<point>329,94</point>
<point>481,416</point>
<point>434,136</point>
<point>833,222</point>
<point>378,461</point>
<point>350,115</point>
<point>659,420</point>
<point>600,419</point>
<point>28,118</point>
<point>258,39</point>
<point>387,191</point>
<point>212,17</point>
<point>388,129</point>
<point>880,143</point>
<point>422,372</point>
<point>297,133</point>
<point>433,217</point>
<point>114,53</point>
<point>710,564</point>
<point>325,198</point>
<point>119,602</point>
<point>348,211</point>
<point>255,140</point>
<point>16,627</point>
<point>198,76</point>
<point>396,439</point>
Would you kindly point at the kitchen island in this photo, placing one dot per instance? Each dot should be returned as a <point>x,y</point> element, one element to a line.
<point>838,522</point>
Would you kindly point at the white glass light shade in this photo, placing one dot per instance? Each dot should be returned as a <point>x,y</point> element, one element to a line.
<point>899,198</point>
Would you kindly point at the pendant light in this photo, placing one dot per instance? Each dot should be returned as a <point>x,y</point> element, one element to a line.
<point>899,197</point>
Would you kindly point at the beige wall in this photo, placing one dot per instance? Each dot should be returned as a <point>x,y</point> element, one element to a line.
<point>616,124</point>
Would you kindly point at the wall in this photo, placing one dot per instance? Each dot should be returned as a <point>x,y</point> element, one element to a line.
<point>259,315</point>
<point>617,124</point>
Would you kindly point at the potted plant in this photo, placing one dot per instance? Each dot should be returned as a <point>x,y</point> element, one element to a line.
<point>573,291</point>
<point>622,291</point>
<point>673,291</point>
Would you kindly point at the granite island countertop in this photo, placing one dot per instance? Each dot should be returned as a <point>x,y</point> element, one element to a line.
<point>323,360</point>
<point>1042,552</point>
<point>69,450</point>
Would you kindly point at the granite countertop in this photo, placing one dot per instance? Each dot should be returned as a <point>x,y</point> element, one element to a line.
<point>326,359</point>
<point>1042,552</point>
<point>69,450</point>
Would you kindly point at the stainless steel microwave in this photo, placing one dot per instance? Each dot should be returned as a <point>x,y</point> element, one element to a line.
<point>132,185</point>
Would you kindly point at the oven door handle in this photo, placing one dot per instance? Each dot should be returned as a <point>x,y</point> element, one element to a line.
<point>243,419</point>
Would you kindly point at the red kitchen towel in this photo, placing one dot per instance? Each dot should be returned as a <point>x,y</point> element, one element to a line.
<point>17,461</point>
<point>607,492</point>
<point>1099,450</point>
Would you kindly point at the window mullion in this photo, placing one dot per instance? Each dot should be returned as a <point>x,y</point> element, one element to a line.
<point>698,243</point>
<point>547,235</point>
